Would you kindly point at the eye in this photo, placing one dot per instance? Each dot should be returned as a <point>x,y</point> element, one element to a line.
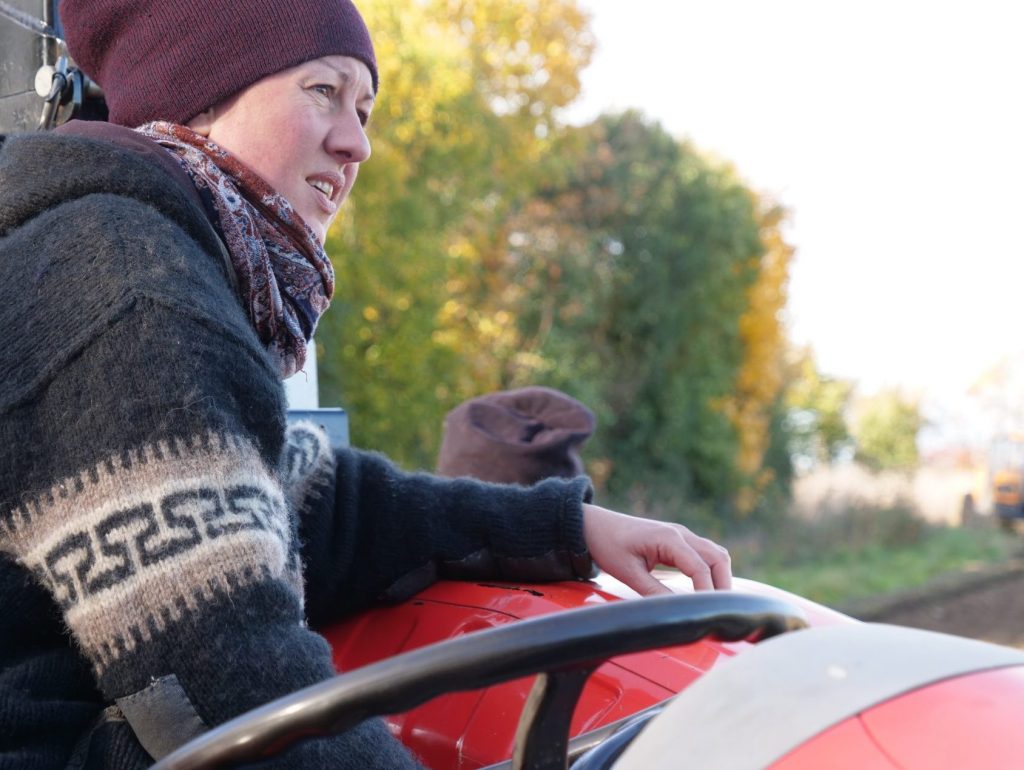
<point>324,89</point>
<point>364,117</point>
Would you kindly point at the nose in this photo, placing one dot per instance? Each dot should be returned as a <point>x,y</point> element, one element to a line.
<point>347,140</point>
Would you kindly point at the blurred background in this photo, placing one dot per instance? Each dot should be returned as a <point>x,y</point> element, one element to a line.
<point>774,246</point>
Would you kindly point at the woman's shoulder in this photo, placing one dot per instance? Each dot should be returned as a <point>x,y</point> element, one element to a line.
<point>96,244</point>
<point>95,213</point>
<point>40,172</point>
<point>97,187</point>
<point>137,145</point>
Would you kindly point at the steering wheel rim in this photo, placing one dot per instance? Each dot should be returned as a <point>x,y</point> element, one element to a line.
<point>563,643</point>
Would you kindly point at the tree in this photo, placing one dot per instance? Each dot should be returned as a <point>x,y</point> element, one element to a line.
<point>488,246</point>
<point>886,429</point>
<point>818,406</point>
<point>635,267</point>
<point>755,405</point>
<point>468,94</point>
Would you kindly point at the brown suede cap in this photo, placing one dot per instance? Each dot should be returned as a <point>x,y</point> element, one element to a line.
<point>516,436</point>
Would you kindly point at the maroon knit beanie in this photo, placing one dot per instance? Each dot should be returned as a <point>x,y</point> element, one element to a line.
<point>173,59</point>
<point>516,436</point>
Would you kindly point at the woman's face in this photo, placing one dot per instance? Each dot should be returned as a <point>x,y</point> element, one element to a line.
<point>303,130</point>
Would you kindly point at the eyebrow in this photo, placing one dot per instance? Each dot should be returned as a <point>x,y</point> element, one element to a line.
<point>347,78</point>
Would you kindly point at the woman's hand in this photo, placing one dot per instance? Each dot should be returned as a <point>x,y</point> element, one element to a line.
<point>628,548</point>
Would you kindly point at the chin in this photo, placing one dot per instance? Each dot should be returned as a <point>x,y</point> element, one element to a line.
<point>319,228</point>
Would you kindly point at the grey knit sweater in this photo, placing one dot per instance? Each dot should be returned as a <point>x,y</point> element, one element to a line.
<point>165,540</point>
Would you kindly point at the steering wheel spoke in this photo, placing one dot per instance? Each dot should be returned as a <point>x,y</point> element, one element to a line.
<point>542,738</point>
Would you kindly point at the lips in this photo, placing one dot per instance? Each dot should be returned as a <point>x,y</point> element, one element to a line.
<point>325,187</point>
<point>328,189</point>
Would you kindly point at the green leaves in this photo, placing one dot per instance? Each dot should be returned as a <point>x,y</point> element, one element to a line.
<point>651,253</point>
<point>457,135</point>
<point>886,429</point>
<point>818,407</point>
<point>486,246</point>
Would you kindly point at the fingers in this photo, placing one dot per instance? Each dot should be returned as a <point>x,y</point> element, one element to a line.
<point>643,582</point>
<point>705,562</point>
<point>716,558</point>
<point>628,548</point>
<point>721,573</point>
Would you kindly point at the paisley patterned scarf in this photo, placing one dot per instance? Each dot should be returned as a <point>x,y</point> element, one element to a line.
<point>284,276</point>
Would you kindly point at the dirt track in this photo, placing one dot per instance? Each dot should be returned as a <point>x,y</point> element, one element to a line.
<point>989,607</point>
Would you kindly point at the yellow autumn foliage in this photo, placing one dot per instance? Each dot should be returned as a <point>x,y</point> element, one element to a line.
<point>760,377</point>
<point>469,91</point>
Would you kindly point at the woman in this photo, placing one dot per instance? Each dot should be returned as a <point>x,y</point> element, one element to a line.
<point>163,537</point>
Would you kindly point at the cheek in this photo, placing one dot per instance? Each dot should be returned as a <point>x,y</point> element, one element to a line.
<point>288,150</point>
<point>269,142</point>
<point>279,142</point>
<point>351,175</point>
<point>250,142</point>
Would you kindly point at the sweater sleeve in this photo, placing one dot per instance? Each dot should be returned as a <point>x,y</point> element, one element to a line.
<point>141,431</point>
<point>371,532</point>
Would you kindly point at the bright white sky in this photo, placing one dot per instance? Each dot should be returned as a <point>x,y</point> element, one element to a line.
<point>894,132</point>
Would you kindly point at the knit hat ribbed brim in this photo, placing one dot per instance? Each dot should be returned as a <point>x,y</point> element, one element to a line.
<point>173,59</point>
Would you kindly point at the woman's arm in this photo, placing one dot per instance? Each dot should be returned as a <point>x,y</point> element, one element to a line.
<point>142,428</point>
<point>372,532</point>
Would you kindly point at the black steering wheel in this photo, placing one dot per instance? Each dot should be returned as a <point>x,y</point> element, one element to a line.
<point>564,648</point>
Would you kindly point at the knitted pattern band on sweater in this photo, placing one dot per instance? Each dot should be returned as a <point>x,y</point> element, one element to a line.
<point>208,508</point>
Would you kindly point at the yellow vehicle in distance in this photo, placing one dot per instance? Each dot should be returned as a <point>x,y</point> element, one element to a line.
<point>1006,471</point>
